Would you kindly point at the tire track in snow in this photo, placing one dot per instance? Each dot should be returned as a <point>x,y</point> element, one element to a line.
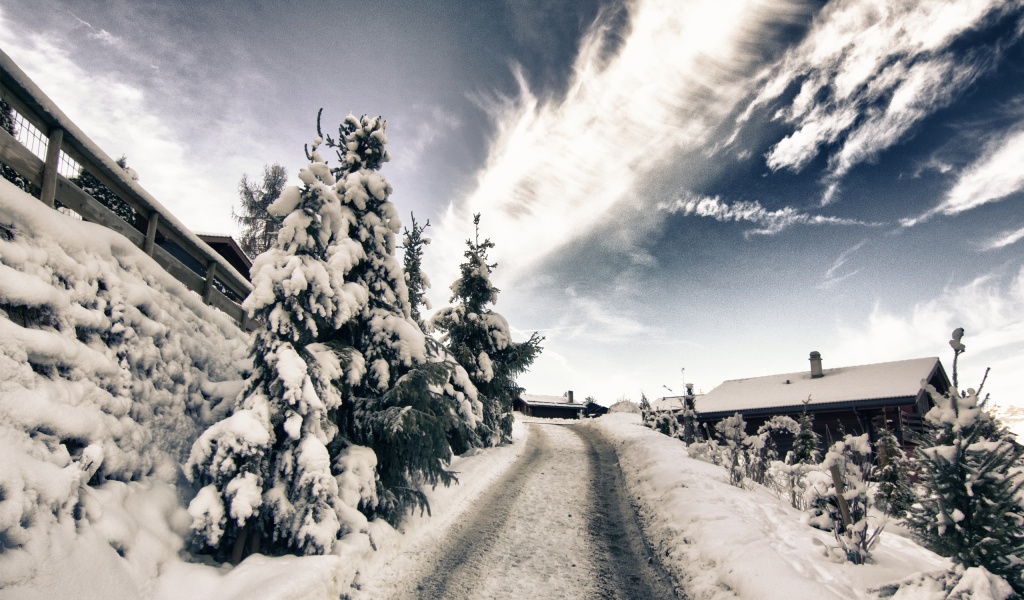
<point>628,563</point>
<point>473,535</point>
<point>557,526</point>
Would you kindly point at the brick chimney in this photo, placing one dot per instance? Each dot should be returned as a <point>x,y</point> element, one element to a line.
<point>569,395</point>
<point>816,371</point>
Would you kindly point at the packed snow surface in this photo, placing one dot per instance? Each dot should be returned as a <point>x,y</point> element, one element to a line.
<point>725,542</point>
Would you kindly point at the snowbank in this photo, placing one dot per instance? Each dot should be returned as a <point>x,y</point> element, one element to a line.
<point>722,542</point>
<point>108,369</point>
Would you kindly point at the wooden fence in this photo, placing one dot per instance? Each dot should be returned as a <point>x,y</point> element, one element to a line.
<point>61,146</point>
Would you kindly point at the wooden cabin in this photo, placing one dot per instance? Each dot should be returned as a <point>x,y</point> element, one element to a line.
<point>550,407</point>
<point>853,400</point>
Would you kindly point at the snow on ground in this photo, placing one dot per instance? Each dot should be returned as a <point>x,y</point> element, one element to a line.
<point>329,577</point>
<point>726,542</point>
<point>108,370</point>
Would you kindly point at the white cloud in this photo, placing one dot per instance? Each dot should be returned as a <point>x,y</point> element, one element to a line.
<point>98,34</point>
<point>833,275</point>
<point>600,324</point>
<point>122,118</point>
<point>868,72</point>
<point>555,168</point>
<point>994,176</point>
<point>769,222</point>
<point>990,308</point>
<point>1004,239</point>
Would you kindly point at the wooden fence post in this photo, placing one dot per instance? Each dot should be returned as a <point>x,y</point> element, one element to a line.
<point>154,222</point>
<point>844,508</point>
<point>211,272</point>
<point>49,187</point>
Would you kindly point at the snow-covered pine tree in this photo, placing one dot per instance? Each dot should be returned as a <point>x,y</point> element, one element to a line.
<point>7,124</point>
<point>95,188</point>
<point>690,429</point>
<point>399,407</point>
<point>480,340</point>
<point>416,280</point>
<point>266,470</point>
<point>802,459</point>
<point>458,390</point>
<point>970,468</point>
<point>259,227</point>
<point>645,410</point>
<point>895,494</point>
<point>805,446</point>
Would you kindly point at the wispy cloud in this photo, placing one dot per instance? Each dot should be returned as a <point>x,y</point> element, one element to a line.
<point>556,167</point>
<point>768,222</point>
<point>412,136</point>
<point>868,72</point>
<point>994,176</point>
<point>1004,239</point>
<point>990,307</point>
<point>600,324</point>
<point>98,34</point>
<point>834,275</point>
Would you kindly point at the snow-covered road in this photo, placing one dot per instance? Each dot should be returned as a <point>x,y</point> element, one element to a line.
<point>558,525</point>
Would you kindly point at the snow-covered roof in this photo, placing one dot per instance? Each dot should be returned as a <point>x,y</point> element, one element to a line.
<point>667,403</point>
<point>898,379</point>
<point>540,400</point>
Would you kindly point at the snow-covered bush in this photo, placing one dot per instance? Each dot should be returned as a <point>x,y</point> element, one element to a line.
<point>895,493</point>
<point>847,464</point>
<point>480,340</point>
<point>709,452</point>
<point>971,482</point>
<point>763,448</point>
<point>732,435</point>
<point>665,422</point>
<point>109,369</point>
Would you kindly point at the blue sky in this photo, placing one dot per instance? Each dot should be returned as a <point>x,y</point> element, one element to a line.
<point>716,186</point>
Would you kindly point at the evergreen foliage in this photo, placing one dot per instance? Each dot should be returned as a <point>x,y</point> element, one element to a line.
<point>416,280</point>
<point>95,188</point>
<point>344,416</point>
<point>399,406</point>
<point>259,226</point>
<point>764,447</point>
<point>266,471</point>
<point>805,447</point>
<point>969,503</point>
<point>480,340</point>
<point>690,432</point>
<point>7,124</point>
<point>645,410</point>
<point>895,493</point>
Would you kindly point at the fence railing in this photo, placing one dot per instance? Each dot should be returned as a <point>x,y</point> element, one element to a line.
<point>57,147</point>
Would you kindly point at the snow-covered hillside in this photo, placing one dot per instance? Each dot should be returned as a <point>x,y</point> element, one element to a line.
<point>109,368</point>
